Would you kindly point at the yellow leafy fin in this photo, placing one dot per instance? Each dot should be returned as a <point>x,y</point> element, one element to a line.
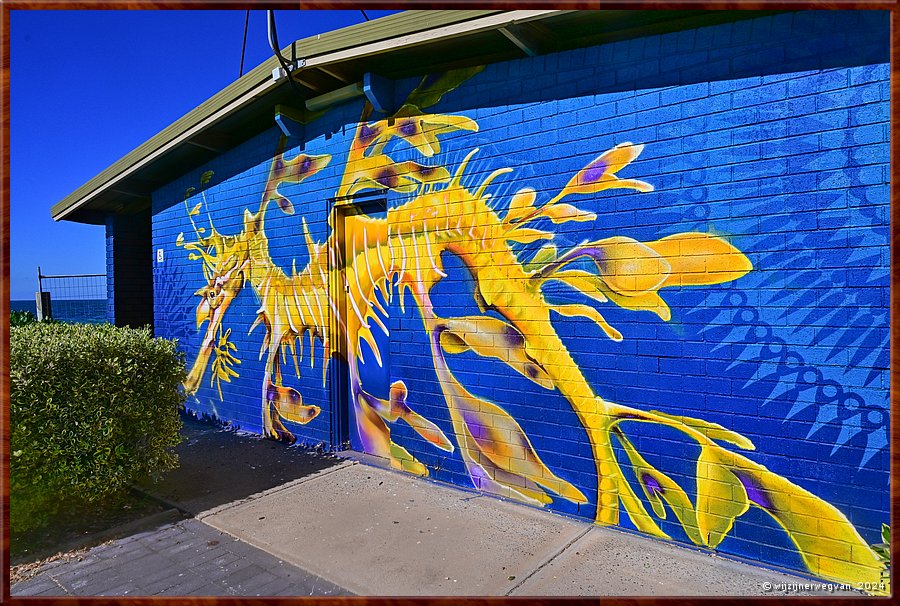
<point>443,123</point>
<point>636,510</point>
<point>600,174</point>
<point>434,86</point>
<point>586,283</point>
<point>421,131</point>
<point>397,408</point>
<point>196,209</point>
<point>629,267</point>
<point>525,235</point>
<point>497,453</point>
<point>698,259</point>
<point>545,255</point>
<point>500,438</point>
<point>289,404</point>
<point>828,543</point>
<point>422,173</point>
<point>658,486</point>
<point>380,172</point>
<point>420,424</point>
<point>561,213</point>
<point>575,309</point>
<point>721,497</point>
<point>486,476</point>
<point>401,459</point>
<point>522,204</point>
<point>453,344</point>
<point>711,430</point>
<point>493,338</point>
<point>649,301</point>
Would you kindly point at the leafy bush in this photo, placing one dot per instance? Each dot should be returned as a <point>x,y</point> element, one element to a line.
<point>25,317</point>
<point>21,318</point>
<point>92,408</point>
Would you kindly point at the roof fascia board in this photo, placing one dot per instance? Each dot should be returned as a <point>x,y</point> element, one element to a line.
<point>444,33</point>
<point>146,154</point>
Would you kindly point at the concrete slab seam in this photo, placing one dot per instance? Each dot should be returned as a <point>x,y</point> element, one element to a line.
<point>269,491</point>
<point>559,552</point>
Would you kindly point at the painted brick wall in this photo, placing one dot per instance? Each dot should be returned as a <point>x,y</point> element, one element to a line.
<point>771,134</point>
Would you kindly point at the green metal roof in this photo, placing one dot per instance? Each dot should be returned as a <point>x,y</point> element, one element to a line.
<point>399,45</point>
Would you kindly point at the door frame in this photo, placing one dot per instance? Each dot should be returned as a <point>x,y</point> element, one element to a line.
<point>338,389</point>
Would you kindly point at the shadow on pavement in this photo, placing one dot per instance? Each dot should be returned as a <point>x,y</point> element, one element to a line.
<point>219,465</point>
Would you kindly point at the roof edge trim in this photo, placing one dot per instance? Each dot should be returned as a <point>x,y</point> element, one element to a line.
<point>76,200</point>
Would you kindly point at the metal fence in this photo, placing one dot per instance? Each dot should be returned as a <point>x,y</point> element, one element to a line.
<point>72,298</point>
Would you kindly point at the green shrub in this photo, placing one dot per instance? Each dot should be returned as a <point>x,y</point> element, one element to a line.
<point>21,318</point>
<point>92,409</point>
<point>24,318</point>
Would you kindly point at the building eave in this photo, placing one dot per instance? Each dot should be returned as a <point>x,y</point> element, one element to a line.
<point>406,44</point>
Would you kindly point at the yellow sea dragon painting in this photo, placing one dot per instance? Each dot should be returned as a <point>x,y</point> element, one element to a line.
<point>402,254</point>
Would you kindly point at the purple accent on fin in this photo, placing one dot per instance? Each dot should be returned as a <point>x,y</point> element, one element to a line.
<point>409,128</point>
<point>387,177</point>
<point>652,483</point>
<point>475,427</point>
<point>285,204</point>
<point>594,172</point>
<point>367,134</point>
<point>305,165</point>
<point>279,165</point>
<point>271,393</point>
<point>755,493</point>
<point>513,337</point>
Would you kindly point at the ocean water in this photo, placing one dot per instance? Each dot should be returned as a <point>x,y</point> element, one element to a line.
<point>87,311</point>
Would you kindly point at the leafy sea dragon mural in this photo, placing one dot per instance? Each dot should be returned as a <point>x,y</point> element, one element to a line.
<point>403,252</point>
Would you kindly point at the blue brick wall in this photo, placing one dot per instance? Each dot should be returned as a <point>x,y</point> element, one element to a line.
<point>771,133</point>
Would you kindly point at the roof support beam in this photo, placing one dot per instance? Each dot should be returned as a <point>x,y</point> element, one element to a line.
<point>334,74</point>
<point>206,147</point>
<point>380,92</point>
<point>130,194</point>
<point>299,79</point>
<point>291,121</point>
<point>519,41</point>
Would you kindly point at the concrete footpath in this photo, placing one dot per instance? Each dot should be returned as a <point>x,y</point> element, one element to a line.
<point>270,520</point>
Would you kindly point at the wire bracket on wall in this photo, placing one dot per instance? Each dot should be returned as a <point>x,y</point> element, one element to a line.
<point>280,72</point>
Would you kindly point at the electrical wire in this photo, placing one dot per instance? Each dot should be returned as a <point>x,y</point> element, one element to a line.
<point>273,43</point>
<point>364,14</point>
<point>244,45</point>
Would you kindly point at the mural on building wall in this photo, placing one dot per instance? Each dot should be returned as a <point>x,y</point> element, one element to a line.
<point>402,254</point>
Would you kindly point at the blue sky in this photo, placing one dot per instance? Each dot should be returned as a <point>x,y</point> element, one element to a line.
<point>87,87</point>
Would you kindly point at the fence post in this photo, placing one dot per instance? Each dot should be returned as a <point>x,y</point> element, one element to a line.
<point>42,300</point>
<point>42,306</point>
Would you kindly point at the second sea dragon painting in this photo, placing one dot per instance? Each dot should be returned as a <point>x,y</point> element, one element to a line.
<point>440,212</point>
